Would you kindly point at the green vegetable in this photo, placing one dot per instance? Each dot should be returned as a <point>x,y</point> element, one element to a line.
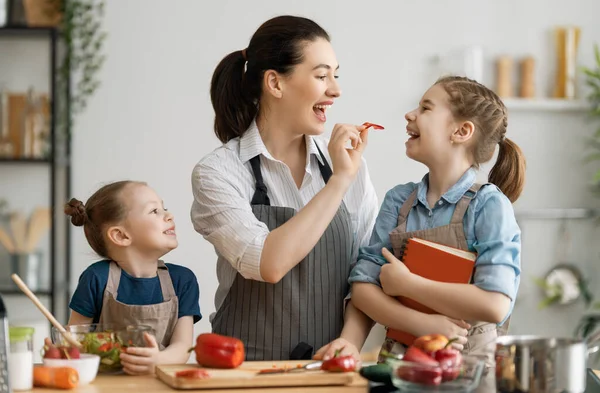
<point>381,373</point>
<point>107,346</point>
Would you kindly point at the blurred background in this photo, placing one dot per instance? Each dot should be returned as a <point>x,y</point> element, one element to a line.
<point>118,89</point>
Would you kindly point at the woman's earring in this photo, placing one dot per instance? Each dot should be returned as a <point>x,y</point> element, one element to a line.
<point>451,141</point>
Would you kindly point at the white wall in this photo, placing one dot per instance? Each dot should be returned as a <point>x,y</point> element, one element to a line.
<point>151,119</point>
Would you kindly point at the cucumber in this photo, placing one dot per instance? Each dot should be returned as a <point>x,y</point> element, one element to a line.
<point>381,373</point>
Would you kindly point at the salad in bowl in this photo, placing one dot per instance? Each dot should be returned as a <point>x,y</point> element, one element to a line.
<point>106,341</point>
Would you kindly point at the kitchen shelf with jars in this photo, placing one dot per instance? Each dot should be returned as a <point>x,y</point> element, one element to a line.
<point>523,96</point>
<point>34,167</point>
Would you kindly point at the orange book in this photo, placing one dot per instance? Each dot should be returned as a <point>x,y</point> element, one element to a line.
<point>436,262</point>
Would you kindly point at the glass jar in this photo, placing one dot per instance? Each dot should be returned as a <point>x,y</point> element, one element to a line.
<point>20,358</point>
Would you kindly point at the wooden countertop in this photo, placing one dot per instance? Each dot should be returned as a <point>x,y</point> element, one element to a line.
<point>151,384</point>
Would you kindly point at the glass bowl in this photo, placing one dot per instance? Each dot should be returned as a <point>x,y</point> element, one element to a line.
<point>105,341</point>
<point>418,377</point>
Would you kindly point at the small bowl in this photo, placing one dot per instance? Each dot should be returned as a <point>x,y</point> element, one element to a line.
<point>86,366</point>
<point>92,336</point>
<point>417,377</point>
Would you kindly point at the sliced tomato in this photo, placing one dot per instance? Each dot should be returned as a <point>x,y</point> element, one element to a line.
<point>193,373</point>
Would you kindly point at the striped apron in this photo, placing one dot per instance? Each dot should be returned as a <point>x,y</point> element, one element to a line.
<point>305,309</point>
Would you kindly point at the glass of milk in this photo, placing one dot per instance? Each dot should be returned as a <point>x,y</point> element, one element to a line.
<point>20,358</point>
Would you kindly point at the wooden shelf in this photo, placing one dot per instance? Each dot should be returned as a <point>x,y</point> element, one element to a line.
<point>546,104</point>
<point>556,214</point>
<point>26,31</point>
<point>24,160</point>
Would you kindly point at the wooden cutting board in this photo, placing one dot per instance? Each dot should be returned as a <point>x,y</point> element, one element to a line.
<point>246,376</point>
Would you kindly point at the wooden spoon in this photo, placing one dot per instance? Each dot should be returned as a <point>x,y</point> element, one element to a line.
<point>45,311</point>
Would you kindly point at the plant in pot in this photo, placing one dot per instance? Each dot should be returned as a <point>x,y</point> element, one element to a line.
<point>79,23</point>
<point>590,322</point>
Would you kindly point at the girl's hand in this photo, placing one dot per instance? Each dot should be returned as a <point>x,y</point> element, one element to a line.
<point>451,328</point>
<point>346,162</point>
<point>394,275</point>
<point>139,361</point>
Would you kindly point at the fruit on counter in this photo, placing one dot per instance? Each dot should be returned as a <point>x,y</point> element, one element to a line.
<point>450,360</point>
<point>55,377</point>
<point>375,126</point>
<point>416,355</point>
<point>422,374</point>
<point>217,351</point>
<point>339,364</point>
<point>431,342</point>
<point>432,361</point>
<point>425,369</point>
<point>193,373</point>
<point>61,352</point>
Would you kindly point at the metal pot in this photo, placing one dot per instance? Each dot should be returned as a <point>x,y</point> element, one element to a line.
<point>534,364</point>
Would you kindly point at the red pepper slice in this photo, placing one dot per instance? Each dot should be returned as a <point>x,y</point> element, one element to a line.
<point>339,364</point>
<point>105,347</point>
<point>375,126</point>
<point>217,351</point>
<point>193,373</point>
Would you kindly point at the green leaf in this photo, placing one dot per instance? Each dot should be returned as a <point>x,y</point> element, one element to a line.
<point>592,157</point>
<point>549,301</point>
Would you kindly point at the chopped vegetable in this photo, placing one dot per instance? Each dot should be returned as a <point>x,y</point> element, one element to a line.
<point>55,377</point>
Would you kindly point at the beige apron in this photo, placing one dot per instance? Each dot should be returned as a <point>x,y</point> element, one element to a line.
<point>482,335</point>
<point>162,317</point>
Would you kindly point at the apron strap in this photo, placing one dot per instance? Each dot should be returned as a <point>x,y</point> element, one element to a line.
<point>324,168</point>
<point>405,209</point>
<point>166,284</point>
<point>463,204</point>
<point>260,196</point>
<point>114,277</point>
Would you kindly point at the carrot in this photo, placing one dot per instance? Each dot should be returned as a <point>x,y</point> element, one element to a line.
<point>55,377</point>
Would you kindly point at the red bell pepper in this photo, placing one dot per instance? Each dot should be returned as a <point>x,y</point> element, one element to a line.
<point>217,351</point>
<point>416,355</point>
<point>422,374</point>
<point>339,364</point>
<point>424,368</point>
<point>450,360</point>
<point>193,373</point>
<point>375,126</point>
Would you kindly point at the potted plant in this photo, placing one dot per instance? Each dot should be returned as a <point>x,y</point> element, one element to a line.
<point>81,31</point>
<point>79,23</point>
<point>590,322</point>
<point>592,80</point>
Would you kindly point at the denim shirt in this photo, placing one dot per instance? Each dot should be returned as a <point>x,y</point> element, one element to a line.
<point>489,224</point>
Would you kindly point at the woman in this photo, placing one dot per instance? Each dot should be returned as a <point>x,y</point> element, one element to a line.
<point>285,211</point>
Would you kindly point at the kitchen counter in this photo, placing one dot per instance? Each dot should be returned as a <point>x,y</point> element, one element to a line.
<point>151,384</point>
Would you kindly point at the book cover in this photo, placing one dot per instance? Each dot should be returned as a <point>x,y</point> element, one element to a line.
<point>435,262</point>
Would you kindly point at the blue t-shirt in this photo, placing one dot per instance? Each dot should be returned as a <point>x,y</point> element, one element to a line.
<point>87,299</point>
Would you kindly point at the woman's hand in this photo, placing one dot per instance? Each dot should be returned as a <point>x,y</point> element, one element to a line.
<point>346,162</point>
<point>344,347</point>
<point>139,361</point>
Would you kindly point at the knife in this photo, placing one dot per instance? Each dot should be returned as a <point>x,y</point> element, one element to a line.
<point>307,367</point>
